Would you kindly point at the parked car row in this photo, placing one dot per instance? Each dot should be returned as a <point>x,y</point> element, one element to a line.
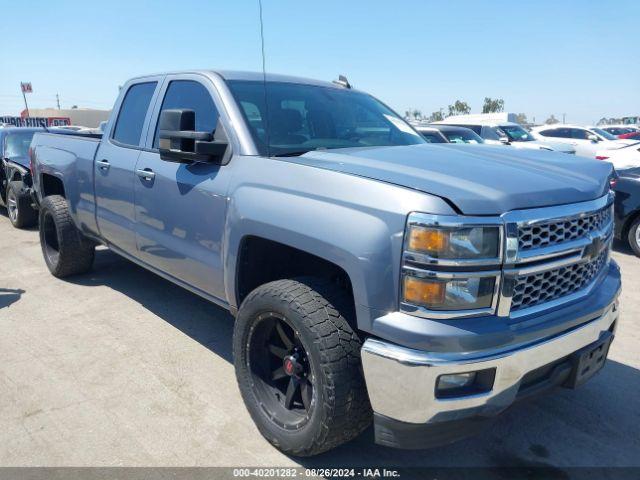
<point>621,130</point>
<point>587,141</point>
<point>504,132</point>
<point>373,278</point>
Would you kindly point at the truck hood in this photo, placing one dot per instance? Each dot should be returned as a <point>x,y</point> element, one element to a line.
<point>477,179</point>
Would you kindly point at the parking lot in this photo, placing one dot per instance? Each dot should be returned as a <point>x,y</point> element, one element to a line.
<point>120,367</point>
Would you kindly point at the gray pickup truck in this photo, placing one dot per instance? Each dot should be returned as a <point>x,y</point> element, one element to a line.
<point>373,277</point>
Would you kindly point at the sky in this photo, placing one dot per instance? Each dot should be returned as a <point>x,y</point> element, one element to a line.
<point>573,57</point>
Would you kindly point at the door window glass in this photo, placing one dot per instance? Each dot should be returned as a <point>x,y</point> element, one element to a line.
<point>579,134</point>
<point>190,95</point>
<point>132,113</point>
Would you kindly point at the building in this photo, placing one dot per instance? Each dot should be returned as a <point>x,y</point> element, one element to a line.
<point>86,117</point>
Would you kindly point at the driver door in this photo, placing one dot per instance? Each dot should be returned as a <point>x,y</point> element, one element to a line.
<point>180,208</point>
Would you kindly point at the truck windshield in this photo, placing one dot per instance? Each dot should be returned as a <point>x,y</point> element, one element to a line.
<point>301,118</point>
<point>516,133</point>
<point>17,144</point>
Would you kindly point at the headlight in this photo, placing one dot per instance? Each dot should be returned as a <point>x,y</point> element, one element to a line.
<point>455,243</point>
<point>460,293</point>
<point>451,265</point>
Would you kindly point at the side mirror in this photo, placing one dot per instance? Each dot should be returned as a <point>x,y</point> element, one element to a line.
<point>505,140</point>
<point>179,142</point>
<point>593,138</point>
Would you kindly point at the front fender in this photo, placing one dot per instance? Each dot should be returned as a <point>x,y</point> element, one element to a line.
<point>353,222</point>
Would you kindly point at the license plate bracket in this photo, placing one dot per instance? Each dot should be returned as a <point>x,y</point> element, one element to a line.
<point>588,361</point>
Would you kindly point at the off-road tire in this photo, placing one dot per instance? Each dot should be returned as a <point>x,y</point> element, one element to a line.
<point>634,237</point>
<point>24,215</point>
<point>72,253</point>
<point>320,312</point>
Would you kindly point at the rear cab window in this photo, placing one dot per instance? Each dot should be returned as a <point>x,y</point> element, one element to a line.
<point>128,127</point>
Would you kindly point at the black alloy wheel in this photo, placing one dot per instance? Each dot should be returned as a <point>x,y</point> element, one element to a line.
<point>281,371</point>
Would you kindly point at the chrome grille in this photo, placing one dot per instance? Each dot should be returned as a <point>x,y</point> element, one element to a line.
<point>557,231</point>
<point>537,288</point>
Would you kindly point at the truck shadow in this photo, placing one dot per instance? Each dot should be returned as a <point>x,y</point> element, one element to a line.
<point>594,425</point>
<point>196,317</point>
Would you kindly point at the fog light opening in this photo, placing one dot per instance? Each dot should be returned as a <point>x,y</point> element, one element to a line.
<point>464,384</point>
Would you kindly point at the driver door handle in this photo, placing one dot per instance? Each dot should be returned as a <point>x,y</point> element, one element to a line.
<point>103,164</point>
<point>146,174</point>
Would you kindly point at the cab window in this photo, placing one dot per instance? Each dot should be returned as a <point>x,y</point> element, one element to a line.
<point>190,95</point>
<point>133,111</point>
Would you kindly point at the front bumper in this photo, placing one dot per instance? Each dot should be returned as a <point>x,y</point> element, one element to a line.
<point>402,383</point>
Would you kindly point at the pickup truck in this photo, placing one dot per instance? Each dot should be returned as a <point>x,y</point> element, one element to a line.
<point>373,277</point>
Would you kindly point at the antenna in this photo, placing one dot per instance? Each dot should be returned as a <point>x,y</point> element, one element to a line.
<point>264,79</point>
<point>342,81</point>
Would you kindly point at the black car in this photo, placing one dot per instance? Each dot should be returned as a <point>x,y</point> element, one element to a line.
<point>627,207</point>
<point>15,175</point>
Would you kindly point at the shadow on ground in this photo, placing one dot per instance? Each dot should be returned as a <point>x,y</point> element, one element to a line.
<point>9,296</point>
<point>595,425</point>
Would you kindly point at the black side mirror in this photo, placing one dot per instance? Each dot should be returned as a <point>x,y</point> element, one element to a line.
<point>179,142</point>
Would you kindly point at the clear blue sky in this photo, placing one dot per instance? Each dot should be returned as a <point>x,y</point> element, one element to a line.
<point>577,57</point>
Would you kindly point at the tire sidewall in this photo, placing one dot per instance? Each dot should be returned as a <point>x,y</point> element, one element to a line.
<point>26,216</point>
<point>11,189</point>
<point>245,324</point>
<point>47,210</point>
<point>632,237</point>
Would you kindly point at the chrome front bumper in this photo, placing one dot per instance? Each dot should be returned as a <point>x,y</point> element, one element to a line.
<point>402,382</point>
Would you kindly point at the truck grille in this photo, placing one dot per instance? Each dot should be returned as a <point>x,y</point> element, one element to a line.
<point>554,232</point>
<point>537,288</point>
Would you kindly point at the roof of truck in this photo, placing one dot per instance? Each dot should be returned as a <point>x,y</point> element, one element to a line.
<point>249,76</point>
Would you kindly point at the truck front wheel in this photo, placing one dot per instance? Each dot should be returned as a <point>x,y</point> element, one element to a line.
<point>21,213</point>
<point>66,251</point>
<point>297,361</point>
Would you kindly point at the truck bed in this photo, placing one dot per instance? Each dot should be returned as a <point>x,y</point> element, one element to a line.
<point>69,157</point>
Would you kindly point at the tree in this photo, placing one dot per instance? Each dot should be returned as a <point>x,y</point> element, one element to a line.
<point>551,120</point>
<point>436,116</point>
<point>413,115</point>
<point>459,108</point>
<point>492,105</point>
<point>521,118</point>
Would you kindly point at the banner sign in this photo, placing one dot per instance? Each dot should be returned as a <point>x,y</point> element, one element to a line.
<point>36,121</point>
<point>26,87</point>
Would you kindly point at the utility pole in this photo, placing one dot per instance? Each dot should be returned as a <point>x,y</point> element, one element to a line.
<point>564,115</point>
<point>58,100</point>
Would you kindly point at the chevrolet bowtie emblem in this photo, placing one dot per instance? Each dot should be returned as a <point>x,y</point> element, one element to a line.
<point>592,250</point>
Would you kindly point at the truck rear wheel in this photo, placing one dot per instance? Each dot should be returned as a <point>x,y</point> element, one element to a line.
<point>297,362</point>
<point>66,251</point>
<point>21,213</point>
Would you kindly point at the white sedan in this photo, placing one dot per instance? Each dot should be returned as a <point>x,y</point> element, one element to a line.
<point>586,140</point>
<point>621,158</point>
